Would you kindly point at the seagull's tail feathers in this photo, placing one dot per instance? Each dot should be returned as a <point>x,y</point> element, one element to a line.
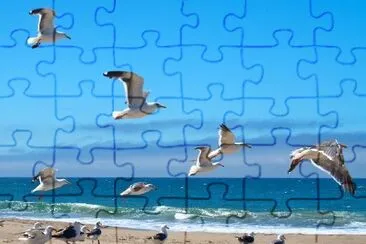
<point>33,41</point>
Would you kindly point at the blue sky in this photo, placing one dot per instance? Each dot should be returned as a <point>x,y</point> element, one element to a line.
<point>280,75</point>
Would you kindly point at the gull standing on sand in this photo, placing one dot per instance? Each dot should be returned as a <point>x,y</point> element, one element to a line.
<point>96,232</point>
<point>328,156</point>
<point>69,233</point>
<point>227,143</point>
<point>203,162</point>
<point>48,181</point>
<point>161,236</point>
<point>83,233</point>
<point>138,188</point>
<point>280,239</point>
<point>136,97</point>
<point>37,236</point>
<point>46,30</point>
<point>246,239</point>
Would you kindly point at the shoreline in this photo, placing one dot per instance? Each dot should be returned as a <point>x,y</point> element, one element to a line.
<point>12,226</point>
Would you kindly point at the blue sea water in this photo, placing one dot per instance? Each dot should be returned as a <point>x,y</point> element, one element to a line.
<point>196,204</point>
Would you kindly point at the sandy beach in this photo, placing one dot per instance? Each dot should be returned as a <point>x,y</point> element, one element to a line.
<point>123,235</point>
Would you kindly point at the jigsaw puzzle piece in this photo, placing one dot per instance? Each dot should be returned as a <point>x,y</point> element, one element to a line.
<point>24,114</point>
<point>11,71</point>
<point>282,204</point>
<point>197,74</point>
<point>87,33</point>
<point>329,72</point>
<point>75,201</point>
<point>140,156</point>
<point>206,200</point>
<point>303,121</point>
<point>86,136</point>
<point>68,81</point>
<point>272,16</point>
<point>148,61</point>
<point>127,132</point>
<point>18,157</point>
<point>210,32</point>
<point>348,20</point>
<point>207,132</point>
<point>279,82</point>
<point>152,17</point>
<point>16,18</point>
<point>348,122</point>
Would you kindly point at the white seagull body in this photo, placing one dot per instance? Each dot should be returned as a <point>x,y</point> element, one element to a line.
<point>136,97</point>
<point>138,188</point>
<point>161,236</point>
<point>46,30</point>
<point>37,236</point>
<point>329,158</point>
<point>226,143</point>
<point>203,162</point>
<point>48,181</point>
<point>280,239</point>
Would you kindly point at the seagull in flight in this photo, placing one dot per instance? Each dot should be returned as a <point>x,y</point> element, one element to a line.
<point>136,97</point>
<point>46,29</point>
<point>161,236</point>
<point>328,156</point>
<point>48,181</point>
<point>226,143</point>
<point>203,162</point>
<point>139,188</point>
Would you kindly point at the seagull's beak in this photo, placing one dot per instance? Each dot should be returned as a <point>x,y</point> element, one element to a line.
<point>167,227</point>
<point>161,106</point>
<point>247,145</point>
<point>221,165</point>
<point>68,37</point>
<point>293,165</point>
<point>68,182</point>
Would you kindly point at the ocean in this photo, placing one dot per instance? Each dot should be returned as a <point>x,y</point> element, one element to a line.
<point>308,206</point>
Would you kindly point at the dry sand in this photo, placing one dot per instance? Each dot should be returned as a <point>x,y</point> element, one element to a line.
<point>127,236</point>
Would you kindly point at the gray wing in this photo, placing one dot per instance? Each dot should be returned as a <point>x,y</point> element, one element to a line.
<point>134,89</point>
<point>225,135</point>
<point>333,149</point>
<point>45,22</point>
<point>137,186</point>
<point>337,170</point>
<point>202,159</point>
<point>47,175</point>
